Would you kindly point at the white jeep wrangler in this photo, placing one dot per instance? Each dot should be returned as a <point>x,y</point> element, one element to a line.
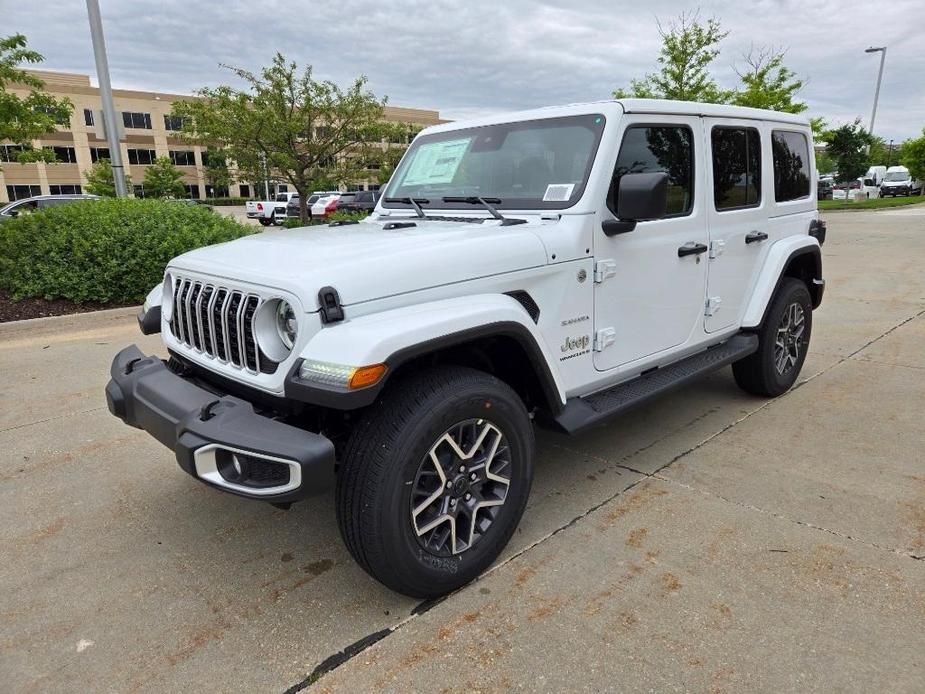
<point>551,268</point>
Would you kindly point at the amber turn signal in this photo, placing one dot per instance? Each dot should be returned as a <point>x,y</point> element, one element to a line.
<point>366,376</point>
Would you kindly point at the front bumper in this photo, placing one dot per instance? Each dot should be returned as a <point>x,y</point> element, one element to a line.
<point>219,439</point>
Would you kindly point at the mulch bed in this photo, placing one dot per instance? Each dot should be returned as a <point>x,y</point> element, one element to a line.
<point>40,308</point>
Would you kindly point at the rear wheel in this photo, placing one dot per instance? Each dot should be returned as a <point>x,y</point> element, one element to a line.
<point>783,340</point>
<point>435,479</point>
<point>265,222</point>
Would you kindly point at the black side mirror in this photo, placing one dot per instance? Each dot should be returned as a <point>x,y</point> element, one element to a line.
<point>642,196</point>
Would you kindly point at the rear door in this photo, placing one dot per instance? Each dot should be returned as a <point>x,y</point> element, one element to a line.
<point>648,298</point>
<point>737,212</point>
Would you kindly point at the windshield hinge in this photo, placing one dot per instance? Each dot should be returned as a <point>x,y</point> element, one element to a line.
<point>603,269</point>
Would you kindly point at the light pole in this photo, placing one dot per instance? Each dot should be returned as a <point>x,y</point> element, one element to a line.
<point>873,114</point>
<point>109,110</point>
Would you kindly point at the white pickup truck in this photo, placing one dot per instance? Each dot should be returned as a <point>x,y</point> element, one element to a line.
<point>551,268</point>
<point>269,212</point>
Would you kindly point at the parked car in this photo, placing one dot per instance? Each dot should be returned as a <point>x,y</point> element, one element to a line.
<point>824,188</point>
<point>39,202</point>
<point>292,208</point>
<point>269,212</point>
<point>552,268</point>
<point>898,181</point>
<point>362,201</point>
<point>325,205</point>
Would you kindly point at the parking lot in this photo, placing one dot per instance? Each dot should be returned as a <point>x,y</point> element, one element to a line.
<point>711,541</point>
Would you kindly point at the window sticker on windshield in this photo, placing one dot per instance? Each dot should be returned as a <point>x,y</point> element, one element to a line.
<point>558,192</point>
<point>436,162</point>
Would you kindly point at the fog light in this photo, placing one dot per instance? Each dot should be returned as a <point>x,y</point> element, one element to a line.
<point>340,375</point>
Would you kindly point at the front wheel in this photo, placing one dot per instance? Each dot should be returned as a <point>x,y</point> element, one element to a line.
<point>783,340</point>
<point>435,479</point>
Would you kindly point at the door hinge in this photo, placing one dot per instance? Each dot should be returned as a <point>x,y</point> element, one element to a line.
<point>712,305</point>
<point>604,269</point>
<point>716,248</point>
<point>604,338</point>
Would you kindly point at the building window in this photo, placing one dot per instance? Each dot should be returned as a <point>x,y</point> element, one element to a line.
<point>141,156</point>
<point>244,191</point>
<point>182,157</point>
<point>664,148</point>
<point>60,119</point>
<point>217,191</point>
<point>736,167</point>
<point>20,192</point>
<point>97,153</point>
<point>10,153</point>
<point>136,120</point>
<point>88,117</point>
<point>64,155</point>
<point>791,165</point>
<point>173,122</point>
<point>65,189</point>
<point>373,186</point>
<point>192,190</point>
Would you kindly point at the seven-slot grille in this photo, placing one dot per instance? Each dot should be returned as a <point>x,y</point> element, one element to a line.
<point>217,321</point>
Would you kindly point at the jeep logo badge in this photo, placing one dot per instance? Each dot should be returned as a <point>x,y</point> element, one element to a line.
<point>573,343</point>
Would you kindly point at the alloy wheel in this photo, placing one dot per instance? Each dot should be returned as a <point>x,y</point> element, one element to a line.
<point>789,342</point>
<point>460,486</point>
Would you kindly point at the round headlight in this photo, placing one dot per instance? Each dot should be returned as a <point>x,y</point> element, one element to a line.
<point>286,325</point>
<point>167,298</point>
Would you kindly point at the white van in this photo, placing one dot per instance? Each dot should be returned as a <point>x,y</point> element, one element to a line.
<point>898,181</point>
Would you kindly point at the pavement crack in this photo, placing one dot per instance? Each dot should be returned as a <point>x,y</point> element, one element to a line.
<point>334,661</point>
<point>51,419</point>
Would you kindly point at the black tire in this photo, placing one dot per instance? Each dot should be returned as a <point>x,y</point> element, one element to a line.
<point>384,460</point>
<point>760,372</point>
<point>264,222</point>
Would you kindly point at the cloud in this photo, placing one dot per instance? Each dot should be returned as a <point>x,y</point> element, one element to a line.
<point>480,57</point>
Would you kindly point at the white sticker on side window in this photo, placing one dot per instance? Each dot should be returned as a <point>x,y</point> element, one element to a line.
<point>558,192</point>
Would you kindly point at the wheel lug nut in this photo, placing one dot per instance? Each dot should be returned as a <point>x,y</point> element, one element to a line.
<point>449,485</point>
<point>473,477</point>
<point>468,496</point>
<point>462,468</point>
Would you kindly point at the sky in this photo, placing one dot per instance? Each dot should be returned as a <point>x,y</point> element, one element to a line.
<point>476,57</point>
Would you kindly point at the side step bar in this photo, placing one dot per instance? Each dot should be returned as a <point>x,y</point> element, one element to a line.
<point>581,413</point>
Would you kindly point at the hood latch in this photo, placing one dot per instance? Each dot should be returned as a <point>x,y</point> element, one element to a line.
<point>331,310</point>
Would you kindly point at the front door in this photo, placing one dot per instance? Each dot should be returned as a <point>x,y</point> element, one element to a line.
<point>649,296</point>
<point>737,204</point>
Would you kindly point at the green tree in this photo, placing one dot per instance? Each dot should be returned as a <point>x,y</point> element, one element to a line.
<point>100,180</point>
<point>913,158</point>
<point>307,129</point>
<point>847,146</point>
<point>688,49</point>
<point>768,83</point>
<point>825,163</point>
<point>216,172</point>
<point>23,119</point>
<point>164,180</point>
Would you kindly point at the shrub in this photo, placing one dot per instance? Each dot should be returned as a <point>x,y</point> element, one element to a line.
<point>223,202</point>
<point>295,222</point>
<point>109,250</point>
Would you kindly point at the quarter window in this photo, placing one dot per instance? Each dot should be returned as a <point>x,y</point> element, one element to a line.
<point>653,149</point>
<point>736,167</point>
<point>791,165</point>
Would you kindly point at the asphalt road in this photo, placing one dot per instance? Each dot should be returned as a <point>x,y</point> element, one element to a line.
<point>709,541</point>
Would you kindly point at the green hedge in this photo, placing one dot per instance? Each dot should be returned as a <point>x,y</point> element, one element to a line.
<point>223,202</point>
<point>293,223</point>
<point>108,250</point>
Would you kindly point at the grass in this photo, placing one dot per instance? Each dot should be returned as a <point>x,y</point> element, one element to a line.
<point>872,204</point>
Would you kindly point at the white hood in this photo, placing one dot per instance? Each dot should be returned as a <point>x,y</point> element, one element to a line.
<point>364,261</point>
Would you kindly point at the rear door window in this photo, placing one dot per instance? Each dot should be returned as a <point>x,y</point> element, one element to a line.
<point>736,167</point>
<point>791,165</point>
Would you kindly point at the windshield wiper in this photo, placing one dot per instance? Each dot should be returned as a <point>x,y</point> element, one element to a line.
<point>487,204</point>
<point>414,202</point>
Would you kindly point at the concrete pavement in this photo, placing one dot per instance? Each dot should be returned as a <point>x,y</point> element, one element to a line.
<point>709,541</point>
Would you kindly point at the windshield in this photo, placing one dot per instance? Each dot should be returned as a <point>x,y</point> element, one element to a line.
<point>896,176</point>
<point>540,164</point>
